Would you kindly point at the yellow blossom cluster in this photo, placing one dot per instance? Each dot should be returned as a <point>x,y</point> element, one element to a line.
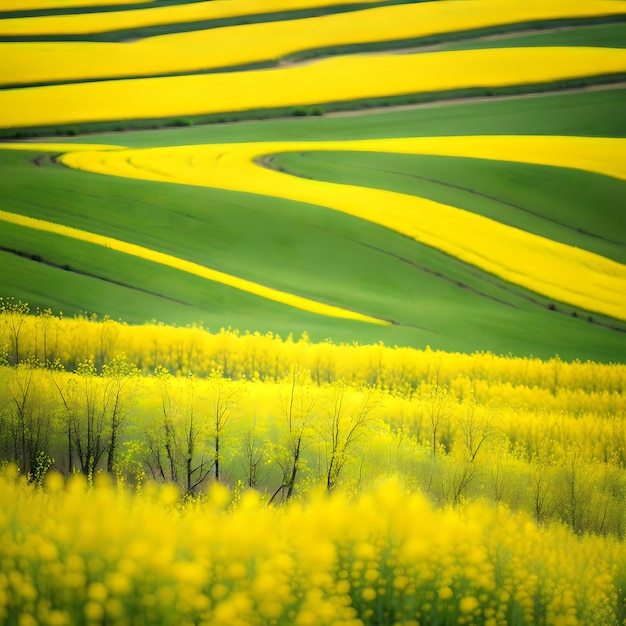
<point>545,437</point>
<point>74,554</point>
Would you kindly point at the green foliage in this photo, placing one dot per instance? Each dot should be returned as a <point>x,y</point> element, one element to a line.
<point>457,440</point>
<point>41,466</point>
<point>180,122</point>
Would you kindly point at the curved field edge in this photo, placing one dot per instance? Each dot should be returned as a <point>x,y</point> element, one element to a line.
<point>227,49</point>
<point>367,107</point>
<point>590,113</point>
<point>552,269</point>
<point>549,201</point>
<point>79,278</point>
<point>303,85</point>
<point>185,266</point>
<point>430,19</point>
<point>33,72</point>
<point>374,107</point>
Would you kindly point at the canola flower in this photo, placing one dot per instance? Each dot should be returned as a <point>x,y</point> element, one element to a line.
<point>183,265</point>
<point>224,47</point>
<point>548,267</point>
<point>73,554</point>
<point>336,79</point>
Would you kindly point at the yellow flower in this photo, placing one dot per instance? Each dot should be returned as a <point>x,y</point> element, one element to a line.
<point>94,611</point>
<point>368,594</point>
<point>97,592</point>
<point>445,593</point>
<point>468,604</point>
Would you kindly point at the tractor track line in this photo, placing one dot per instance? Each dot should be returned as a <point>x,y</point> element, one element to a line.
<point>68,268</point>
<point>268,162</point>
<point>480,194</point>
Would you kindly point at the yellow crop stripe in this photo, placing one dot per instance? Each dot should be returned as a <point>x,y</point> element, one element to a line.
<point>187,266</point>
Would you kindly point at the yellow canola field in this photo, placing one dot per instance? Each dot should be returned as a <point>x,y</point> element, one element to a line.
<point>337,79</point>
<point>153,16</point>
<point>553,269</point>
<point>223,47</point>
<point>187,266</point>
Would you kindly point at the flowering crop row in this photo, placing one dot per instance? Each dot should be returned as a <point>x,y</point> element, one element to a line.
<point>196,350</point>
<point>28,5</point>
<point>189,267</point>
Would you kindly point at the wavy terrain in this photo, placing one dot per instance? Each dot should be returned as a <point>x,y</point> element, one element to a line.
<point>555,270</point>
<point>494,225</point>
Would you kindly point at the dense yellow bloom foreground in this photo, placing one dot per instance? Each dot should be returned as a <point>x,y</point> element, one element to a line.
<point>231,46</point>
<point>331,80</point>
<point>556,270</point>
<point>73,555</point>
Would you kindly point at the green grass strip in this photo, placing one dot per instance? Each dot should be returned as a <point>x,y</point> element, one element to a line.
<point>310,110</point>
<point>610,35</point>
